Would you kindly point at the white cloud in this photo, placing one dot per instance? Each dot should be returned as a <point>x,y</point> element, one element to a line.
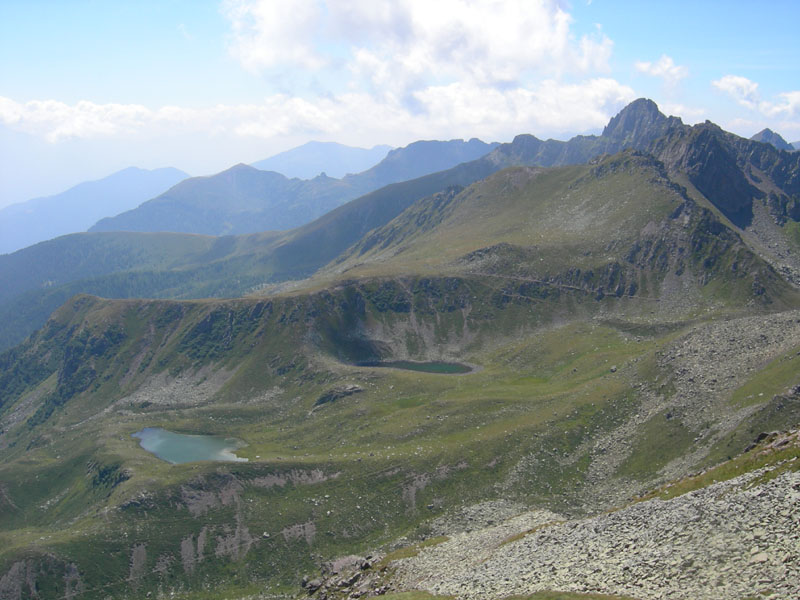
<point>665,68</point>
<point>55,120</point>
<point>551,108</point>
<point>788,105</point>
<point>688,114</point>
<point>397,47</point>
<point>390,71</point>
<point>746,93</point>
<point>274,34</point>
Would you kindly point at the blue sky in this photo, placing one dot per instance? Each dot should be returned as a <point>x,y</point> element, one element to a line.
<point>88,87</point>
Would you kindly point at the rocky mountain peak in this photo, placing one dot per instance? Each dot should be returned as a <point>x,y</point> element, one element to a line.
<point>639,121</point>
<point>767,136</point>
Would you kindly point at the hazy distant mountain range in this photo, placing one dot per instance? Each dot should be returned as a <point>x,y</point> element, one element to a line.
<point>183,266</point>
<point>300,185</point>
<point>81,206</point>
<point>244,199</point>
<point>313,158</point>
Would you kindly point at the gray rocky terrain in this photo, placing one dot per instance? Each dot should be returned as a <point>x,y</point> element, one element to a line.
<point>730,540</point>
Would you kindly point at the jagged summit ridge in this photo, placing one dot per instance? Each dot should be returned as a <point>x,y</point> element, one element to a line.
<point>768,136</point>
<point>640,121</point>
<point>635,127</point>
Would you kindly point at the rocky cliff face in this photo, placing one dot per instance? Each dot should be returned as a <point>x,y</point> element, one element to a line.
<point>731,171</point>
<point>767,136</point>
<point>638,125</point>
<point>702,154</point>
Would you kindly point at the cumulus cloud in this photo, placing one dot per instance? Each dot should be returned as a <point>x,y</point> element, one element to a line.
<point>385,71</point>
<point>270,34</point>
<point>400,46</point>
<point>745,92</point>
<point>665,68</point>
<point>788,105</point>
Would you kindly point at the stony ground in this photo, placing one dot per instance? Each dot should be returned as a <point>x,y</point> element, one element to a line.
<point>730,540</point>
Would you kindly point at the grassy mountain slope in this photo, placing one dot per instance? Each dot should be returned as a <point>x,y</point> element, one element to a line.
<point>540,425</point>
<point>618,227</point>
<point>304,250</point>
<point>624,327</point>
<point>126,265</point>
<point>638,125</point>
<point>81,256</point>
<point>587,298</point>
<point>312,246</point>
<point>422,158</point>
<point>241,199</point>
<point>292,255</point>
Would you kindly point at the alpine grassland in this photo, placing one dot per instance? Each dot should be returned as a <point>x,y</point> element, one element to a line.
<point>622,332</point>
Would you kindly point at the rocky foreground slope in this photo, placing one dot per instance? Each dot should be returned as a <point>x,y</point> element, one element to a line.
<point>732,539</point>
<point>729,540</point>
<point>710,536</point>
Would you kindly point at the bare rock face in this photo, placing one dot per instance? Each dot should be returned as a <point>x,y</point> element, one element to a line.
<point>200,496</point>
<point>188,557</point>
<point>767,136</point>
<point>295,477</point>
<point>18,578</point>
<point>702,152</point>
<point>235,541</point>
<point>25,578</point>
<point>348,577</point>
<point>337,393</point>
<point>306,531</point>
<point>730,171</point>
<point>138,563</point>
<point>638,124</point>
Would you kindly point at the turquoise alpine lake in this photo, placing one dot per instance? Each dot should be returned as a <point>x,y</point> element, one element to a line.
<point>177,448</point>
<point>424,367</point>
